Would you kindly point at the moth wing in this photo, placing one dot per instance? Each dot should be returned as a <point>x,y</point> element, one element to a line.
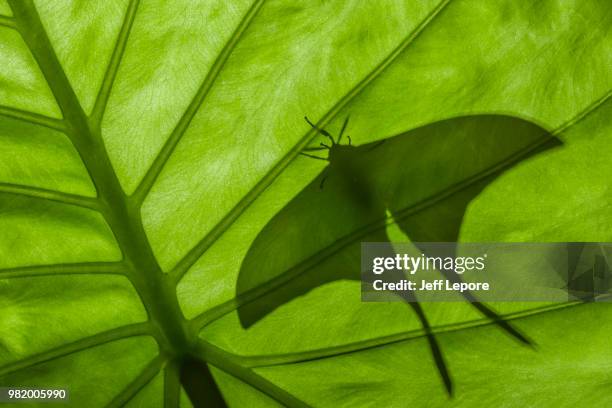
<point>425,177</point>
<point>440,168</point>
<point>428,176</point>
<point>300,248</point>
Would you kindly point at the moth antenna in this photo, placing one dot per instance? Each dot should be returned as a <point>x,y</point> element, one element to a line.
<point>343,128</point>
<point>321,131</point>
<point>312,156</point>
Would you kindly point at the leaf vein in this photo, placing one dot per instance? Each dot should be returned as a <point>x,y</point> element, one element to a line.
<point>164,155</point>
<point>115,61</point>
<point>50,195</point>
<point>224,308</point>
<point>87,268</point>
<point>230,364</point>
<point>33,118</point>
<point>335,351</point>
<point>8,22</point>
<point>142,379</point>
<point>584,113</point>
<point>133,330</point>
<point>123,218</point>
<point>219,229</point>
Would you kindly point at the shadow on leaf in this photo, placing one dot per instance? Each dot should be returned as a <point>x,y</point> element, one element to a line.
<point>425,178</point>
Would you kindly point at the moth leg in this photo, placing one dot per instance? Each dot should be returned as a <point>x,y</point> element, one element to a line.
<point>325,146</point>
<point>322,182</point>
<point>323,179</point>
<point>321,131</point>
<point>349,139</point>
<point>343,129</point>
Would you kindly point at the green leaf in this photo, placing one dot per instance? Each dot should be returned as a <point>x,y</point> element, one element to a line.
<point>424,179</point>
<point>145,145</point>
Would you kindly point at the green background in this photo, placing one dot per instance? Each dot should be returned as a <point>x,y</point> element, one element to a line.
<point>144,145</point>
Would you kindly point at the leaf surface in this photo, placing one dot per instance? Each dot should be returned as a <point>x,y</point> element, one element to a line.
<point>146,144</point>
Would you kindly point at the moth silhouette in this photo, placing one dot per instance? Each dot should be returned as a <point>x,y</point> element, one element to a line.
<point>425,178</point>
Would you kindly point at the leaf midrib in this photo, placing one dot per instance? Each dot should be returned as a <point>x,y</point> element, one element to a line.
<point>121,215</point>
